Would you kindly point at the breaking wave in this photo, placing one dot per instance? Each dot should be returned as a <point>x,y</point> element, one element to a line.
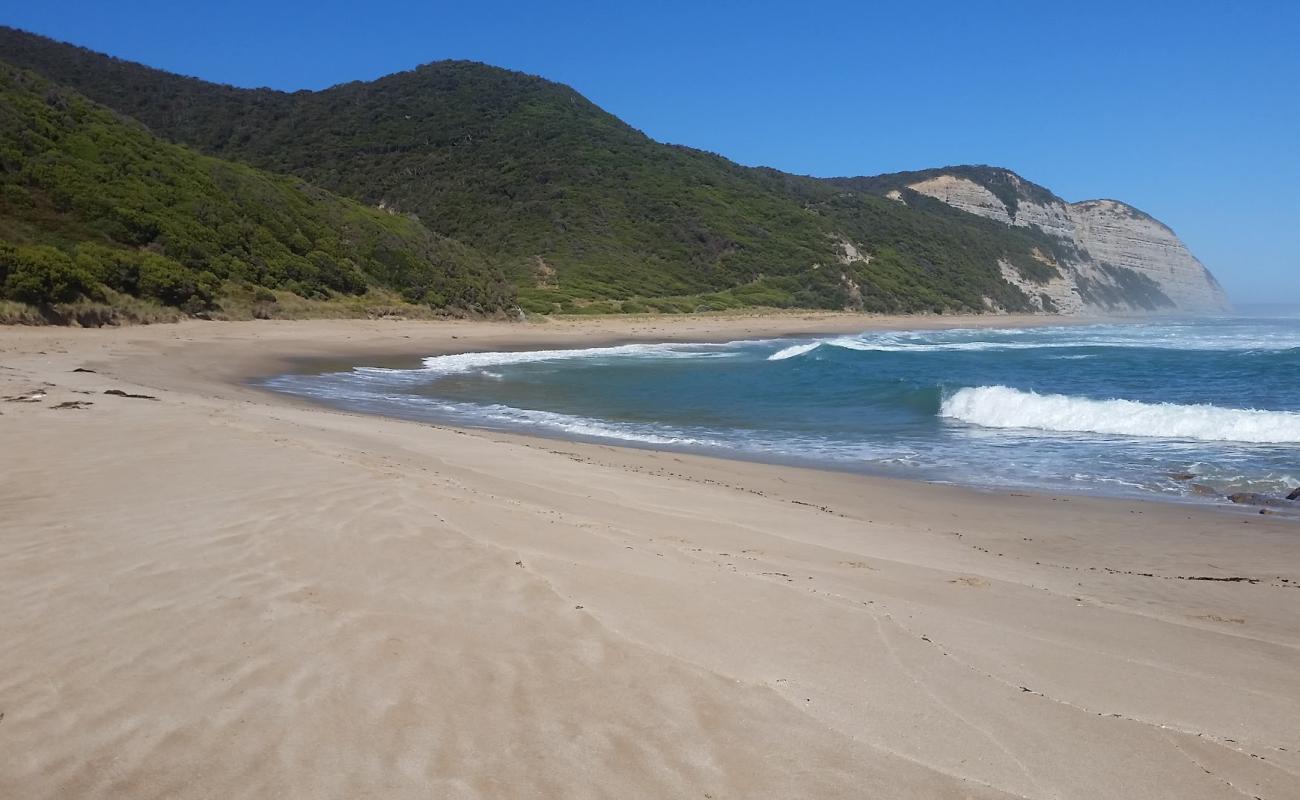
<point>1004,407</point>
<point>1166,337</point>
<point>794,350</point>
<point>459,363</point>
<point>466,362</point>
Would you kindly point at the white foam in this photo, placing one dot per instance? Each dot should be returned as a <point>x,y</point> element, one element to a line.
<point>794,350</point>
<point>947,340</point>
<point>467,362</point>
<point>1004,407</point>
<point>586,426</point>
<point>908,344</point>
<point>364,395</point>
<point>900,343</point>
<point>1165,337</point>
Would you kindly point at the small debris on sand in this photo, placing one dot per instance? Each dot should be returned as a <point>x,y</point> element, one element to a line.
<point>120,393</point>
<point>31,397</point>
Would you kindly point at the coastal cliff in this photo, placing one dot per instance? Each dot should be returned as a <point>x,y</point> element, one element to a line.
<point>1116,233</point>
<point>1117,258</point>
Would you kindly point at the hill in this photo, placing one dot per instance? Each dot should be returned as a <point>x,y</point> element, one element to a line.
<point>584,212</point>
<point>91,203</point>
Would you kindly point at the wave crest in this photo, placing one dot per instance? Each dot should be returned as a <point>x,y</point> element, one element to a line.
<point>468,362</point>
<point>1004,407</point>
<point>793,350</point>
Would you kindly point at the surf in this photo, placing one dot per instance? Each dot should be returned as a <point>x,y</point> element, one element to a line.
<point>1008,408</point>
<point>1117,408</point>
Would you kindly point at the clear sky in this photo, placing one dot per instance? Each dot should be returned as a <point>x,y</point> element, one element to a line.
<point>1188,110</point>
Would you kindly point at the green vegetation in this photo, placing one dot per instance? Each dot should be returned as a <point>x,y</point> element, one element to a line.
<point>577,206</point>
<point>578,211</point>
<point>93,207</point>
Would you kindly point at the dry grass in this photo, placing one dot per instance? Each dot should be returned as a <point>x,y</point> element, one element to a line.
<point>12,313</point>
<point>119,309</point>
<point>237,303</point>
<point>242,304</point>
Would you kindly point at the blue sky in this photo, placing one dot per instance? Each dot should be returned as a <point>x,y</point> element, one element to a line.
<point>1190,111</point>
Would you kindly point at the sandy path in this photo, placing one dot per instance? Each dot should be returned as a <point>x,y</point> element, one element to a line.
<point>224,594</point>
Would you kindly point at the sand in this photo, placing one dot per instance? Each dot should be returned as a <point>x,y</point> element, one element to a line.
<point>224,593</point>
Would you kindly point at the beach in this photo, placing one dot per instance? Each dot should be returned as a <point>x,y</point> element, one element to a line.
<point>215,591</point>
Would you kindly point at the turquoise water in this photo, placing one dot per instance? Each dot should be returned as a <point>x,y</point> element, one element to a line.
<point>1113,409</point>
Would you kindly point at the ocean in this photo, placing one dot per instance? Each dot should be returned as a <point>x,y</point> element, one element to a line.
<point>1179,409</point>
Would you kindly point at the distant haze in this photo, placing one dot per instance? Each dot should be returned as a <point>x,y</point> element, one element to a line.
<point>1185,112</point>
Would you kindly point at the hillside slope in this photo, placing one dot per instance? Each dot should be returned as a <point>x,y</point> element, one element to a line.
<point>91,201</point>
<point>587,213</point>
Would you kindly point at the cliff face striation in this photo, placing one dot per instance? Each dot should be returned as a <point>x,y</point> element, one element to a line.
<point>1116,233</point>
<point>1116,258</point>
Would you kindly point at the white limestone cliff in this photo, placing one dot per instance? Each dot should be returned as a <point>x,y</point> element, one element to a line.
<point>1103,233</point>
<point>1115,233</point>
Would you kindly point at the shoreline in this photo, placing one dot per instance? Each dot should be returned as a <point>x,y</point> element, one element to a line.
<point>759,329</point>
<point>228,583</point>
<point>538,438</point>
<point>571,332</point>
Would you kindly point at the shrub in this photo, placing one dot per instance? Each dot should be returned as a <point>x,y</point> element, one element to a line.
<point>168,282</point>
<point>43,275</point>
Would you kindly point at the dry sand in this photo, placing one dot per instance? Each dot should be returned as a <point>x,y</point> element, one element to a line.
<point>222,593</point>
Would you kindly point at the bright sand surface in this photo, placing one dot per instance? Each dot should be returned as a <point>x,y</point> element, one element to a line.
<point>225,593</point>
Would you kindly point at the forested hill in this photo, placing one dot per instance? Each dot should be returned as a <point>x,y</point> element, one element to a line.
<point>583,212</point>
<point>92,205</point>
